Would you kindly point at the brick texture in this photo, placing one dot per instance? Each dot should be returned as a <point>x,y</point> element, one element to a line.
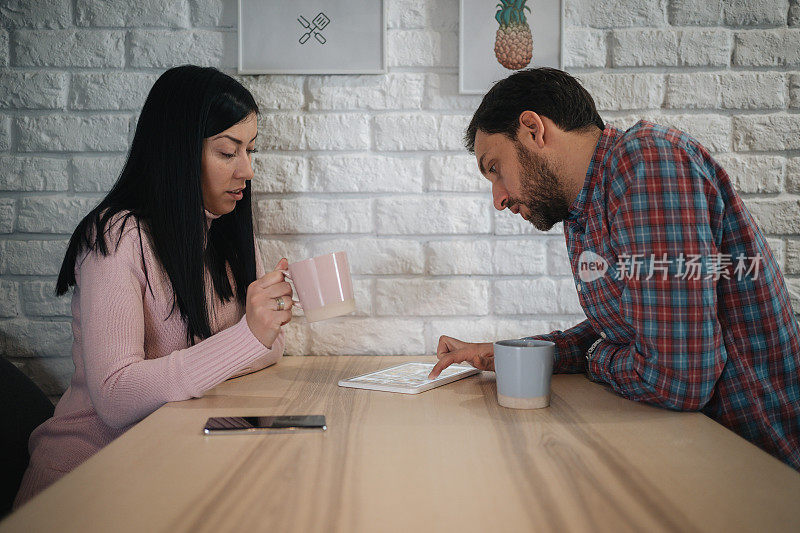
<point>374,164</point>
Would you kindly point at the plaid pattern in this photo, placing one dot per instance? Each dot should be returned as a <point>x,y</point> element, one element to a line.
<point>726,345</point>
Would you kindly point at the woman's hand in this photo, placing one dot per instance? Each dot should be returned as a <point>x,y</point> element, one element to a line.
<point>263,315</point>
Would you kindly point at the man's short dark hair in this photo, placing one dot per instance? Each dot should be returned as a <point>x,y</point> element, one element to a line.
<point>546,91</point>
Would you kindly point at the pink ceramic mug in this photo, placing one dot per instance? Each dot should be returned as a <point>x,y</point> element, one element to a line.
<point>323,286</point>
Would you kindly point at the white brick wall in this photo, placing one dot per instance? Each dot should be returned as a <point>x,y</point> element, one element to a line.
<point>374,164</point>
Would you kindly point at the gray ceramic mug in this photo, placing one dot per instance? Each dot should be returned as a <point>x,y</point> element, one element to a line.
<point>523,368</point>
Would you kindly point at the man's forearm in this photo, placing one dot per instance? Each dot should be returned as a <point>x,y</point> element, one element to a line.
<point>571,346</point>
<point>684,383</point>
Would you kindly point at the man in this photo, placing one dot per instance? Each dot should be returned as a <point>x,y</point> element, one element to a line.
<point>686,306</point>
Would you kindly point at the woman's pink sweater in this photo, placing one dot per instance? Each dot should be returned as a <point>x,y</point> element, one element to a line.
<point>130,359</point>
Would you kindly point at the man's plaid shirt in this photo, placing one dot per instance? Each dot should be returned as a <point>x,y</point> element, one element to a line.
<point>692,312</point>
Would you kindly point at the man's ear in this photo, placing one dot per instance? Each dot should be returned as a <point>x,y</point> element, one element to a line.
<point>531,128</point>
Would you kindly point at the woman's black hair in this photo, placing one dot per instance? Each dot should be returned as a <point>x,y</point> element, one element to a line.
<point>160,187</point>
<point>546,91</point>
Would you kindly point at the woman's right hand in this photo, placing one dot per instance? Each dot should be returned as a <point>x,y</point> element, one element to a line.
<point>263,317</point>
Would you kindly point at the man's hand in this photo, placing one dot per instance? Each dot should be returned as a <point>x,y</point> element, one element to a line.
<point>450,350</point>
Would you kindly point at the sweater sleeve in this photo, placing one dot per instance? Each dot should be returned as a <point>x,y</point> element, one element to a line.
<point>124,386</point>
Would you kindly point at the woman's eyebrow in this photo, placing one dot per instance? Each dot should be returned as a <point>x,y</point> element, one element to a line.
<point>234,139</point>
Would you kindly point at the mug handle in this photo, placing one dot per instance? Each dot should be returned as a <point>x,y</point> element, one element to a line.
<point>289,277</point>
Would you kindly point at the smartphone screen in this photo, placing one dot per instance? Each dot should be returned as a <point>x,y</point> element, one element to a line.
<point>265,424</point>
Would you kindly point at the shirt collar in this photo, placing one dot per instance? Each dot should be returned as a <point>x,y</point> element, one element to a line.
<point>210,215</point>
<point>604,144</point>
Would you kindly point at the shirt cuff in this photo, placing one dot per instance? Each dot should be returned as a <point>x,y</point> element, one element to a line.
<point>599,361</point>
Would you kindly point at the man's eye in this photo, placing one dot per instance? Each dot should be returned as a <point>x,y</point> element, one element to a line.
<point>492,170</point>
<point>228,155</point>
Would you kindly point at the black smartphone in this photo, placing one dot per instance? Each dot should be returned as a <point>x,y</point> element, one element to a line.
<point>231,425</point>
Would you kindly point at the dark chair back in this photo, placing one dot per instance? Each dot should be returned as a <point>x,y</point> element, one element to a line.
<point>23,406</point>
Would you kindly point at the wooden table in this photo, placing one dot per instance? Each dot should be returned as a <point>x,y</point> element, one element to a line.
<point>450,459</point>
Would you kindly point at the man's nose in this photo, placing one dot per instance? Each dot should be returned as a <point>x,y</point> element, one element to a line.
<point>499,196</point>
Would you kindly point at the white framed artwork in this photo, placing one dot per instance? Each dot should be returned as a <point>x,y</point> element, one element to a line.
<point>312,37</point>
<point>498,37</point>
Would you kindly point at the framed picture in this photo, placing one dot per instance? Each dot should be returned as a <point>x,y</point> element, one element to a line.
<point>312,37</point>
<point>499,37</point>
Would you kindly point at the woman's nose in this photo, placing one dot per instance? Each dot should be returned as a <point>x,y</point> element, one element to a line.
<point>246,168</point>
<point>499,196</point>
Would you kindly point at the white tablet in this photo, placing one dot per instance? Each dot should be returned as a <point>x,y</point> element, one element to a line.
<point>408,378</point>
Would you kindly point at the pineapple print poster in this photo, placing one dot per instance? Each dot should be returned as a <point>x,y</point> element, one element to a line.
<point>513,44</point>
<point>495,39</point>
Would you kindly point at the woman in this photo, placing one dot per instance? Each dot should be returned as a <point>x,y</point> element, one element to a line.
<point>170,295</point>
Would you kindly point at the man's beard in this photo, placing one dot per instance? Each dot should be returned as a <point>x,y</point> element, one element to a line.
<point>541,192</point>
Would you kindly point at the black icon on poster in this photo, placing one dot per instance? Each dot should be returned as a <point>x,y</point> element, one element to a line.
<point>319,23</point>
